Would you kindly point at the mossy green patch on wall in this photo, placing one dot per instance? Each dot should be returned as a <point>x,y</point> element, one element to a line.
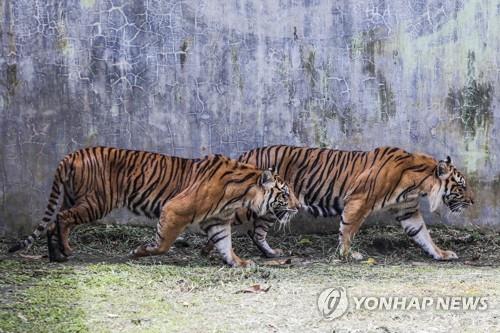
<point>444,75</point>
<point>471,103</point>
<point>370,46</point>
<point>386,98</point>
<point>63,42</point>
<point>367,45</point>
<point>307,59</point>
<point>320,134</point>
<point>12,80</point>
<point>92,139</point>
<point>237,78</point>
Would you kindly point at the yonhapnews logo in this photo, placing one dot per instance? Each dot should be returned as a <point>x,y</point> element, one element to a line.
<point>334,302</point>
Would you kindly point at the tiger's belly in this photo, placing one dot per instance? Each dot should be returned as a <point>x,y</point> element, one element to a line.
<point>322,207</point>
<point>320,211</point>
<point>199,225</point>
<point>337,206</point>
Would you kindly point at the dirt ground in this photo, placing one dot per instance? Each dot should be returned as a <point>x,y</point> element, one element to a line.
<point>100,290</point>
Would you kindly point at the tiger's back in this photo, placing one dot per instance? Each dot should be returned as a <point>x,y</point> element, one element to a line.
<point>112,178</point>
<point>321,178</point>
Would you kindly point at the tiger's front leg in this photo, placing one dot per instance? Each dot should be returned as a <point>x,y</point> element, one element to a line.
<point>258,235</point>
<point>66,220</point>
<point>414,226</point>
<point>354,214</point>
<point>261,226</point>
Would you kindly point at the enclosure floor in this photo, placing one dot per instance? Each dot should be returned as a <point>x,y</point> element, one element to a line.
<point>100,290</point>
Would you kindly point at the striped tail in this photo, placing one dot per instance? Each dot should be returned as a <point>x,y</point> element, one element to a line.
<point>50,211</point>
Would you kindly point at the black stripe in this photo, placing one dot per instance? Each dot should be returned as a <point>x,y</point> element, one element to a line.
<point>406,216</point>
<point>414,232</point>
<point>216,234</point>
<point>336,206</point>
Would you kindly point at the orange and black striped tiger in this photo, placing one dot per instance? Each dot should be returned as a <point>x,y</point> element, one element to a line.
<point>354,184</point>
<point>90,183</point>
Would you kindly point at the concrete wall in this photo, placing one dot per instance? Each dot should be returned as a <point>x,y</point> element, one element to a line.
<point>197,77</point>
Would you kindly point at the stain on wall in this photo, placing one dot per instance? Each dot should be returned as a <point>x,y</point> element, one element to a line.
<point>196,77</point>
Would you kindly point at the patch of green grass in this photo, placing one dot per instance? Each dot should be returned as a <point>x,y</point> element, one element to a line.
<point>39,298</point>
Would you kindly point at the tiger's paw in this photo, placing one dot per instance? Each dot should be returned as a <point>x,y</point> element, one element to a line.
<point>356,256</point>
<point>68,251</point>
<point>207,249</point>
<point>243,263</point>
<point>55,255</point>
<point>134,254</point>
<point>351,257</point>
<point>446,255</point>
<point>61,258</point>
<point>348,256</point>
<point>247,263</point>
<point>345,254</point>
<point>276,253</point>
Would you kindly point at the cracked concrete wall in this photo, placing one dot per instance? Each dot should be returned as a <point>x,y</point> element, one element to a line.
<point>197,77</point>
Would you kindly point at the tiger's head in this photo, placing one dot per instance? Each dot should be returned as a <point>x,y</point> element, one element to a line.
<point>274,198</point>
<point>453,191</point>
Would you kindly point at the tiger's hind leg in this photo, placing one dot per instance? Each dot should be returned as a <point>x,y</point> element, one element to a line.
<point>219,234</point>
<point>414,226</point>
<point>64,230</point>
<point>64,235</point>
<point>85,210</point>
<point>54,244</point>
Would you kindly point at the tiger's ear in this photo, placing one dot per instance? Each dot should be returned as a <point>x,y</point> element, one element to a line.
<point>443,169</point>
<point>266,179</point>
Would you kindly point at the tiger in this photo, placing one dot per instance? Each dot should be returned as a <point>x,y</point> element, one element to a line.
<point>354,184</point>
<point>91,182</point>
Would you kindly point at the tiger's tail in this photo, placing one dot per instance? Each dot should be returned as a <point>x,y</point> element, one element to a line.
<point>50,212</point>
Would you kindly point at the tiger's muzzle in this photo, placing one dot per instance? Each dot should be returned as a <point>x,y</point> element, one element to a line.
<point>458,204</point>
<point>284,216</point>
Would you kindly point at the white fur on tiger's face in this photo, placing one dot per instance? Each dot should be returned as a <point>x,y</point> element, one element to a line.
<point>453,191</point>
<point>284,205</point>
